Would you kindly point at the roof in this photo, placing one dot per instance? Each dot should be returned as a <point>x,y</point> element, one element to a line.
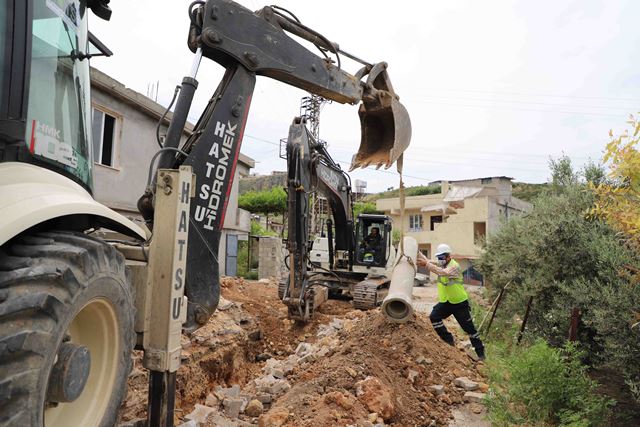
<point>144,104</point>
<point>470,179</point>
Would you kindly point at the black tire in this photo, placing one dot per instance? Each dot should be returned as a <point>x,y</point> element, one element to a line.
<point>47,281</point>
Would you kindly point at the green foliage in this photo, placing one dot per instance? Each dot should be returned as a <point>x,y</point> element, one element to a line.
<point>562,174</point>
<point>395,237</point>
<point>364,208</point>
<point>528,192</point>
<point>258,230</point>
<point>272,201</point>
<point>419,190</point>
<point>542,385</point>
<point>565,259</point>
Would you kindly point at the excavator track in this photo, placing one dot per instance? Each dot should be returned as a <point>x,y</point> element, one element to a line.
<point>369,293</point>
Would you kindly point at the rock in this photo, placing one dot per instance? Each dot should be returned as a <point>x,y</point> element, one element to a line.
<point>474,397</point>
<point>463,345</point>
<point>263,356</point>
<point>303,349</point>
<point>190,423</point>
<point>224,304</point>
<point>308,358</point>
<point>437,389</point>
<point>373,417</point>
<point>264,398</point>
<point>465,383</point>
<point>212,401</point>
<point>254,408</point>
<point>376,397</point>
<point>233,406</point>
<point>476,408</point>
<point>276,417</point>
<point>412,375</point>
<point>140,422</point>
<point>185,342</point>
<point>424,361</point>
<point>264,281</point>
<point>233,391</point>
<point>270,384</point>
<point>352,372</point>
<point>483,387</point>
<point>345,401</point>
<point>200,414</point>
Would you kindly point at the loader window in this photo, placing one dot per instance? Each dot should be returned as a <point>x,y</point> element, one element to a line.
<point>59,99</point>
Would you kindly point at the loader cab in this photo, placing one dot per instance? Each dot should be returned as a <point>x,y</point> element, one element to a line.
<point>373,240</point>
<point>45,102</point>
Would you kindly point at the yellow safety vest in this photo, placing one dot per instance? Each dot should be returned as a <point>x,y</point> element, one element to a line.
<point>452,290</point>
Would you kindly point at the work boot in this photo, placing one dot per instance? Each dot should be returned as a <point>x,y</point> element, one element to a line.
<point>480,353</point>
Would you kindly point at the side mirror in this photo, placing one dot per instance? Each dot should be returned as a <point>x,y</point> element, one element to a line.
<point>100,8</point>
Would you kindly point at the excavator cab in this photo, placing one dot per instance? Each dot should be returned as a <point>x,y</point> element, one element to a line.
<point>372,240</point>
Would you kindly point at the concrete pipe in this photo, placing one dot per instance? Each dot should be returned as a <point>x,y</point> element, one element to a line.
<point>397,305</point>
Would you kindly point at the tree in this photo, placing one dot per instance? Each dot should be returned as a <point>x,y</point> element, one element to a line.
<point>565,258</point>
<point>268,202</point>
<point>618,199</point>
<point>364,208</point>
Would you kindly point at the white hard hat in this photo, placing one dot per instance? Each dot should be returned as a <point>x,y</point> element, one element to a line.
<point>443,248</point>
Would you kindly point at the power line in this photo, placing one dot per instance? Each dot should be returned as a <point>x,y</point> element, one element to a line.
<point>515,101</point>
<point>537,94</point>
<point>578,113</point>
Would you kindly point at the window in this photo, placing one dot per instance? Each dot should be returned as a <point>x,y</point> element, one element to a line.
<point>479,232</point>
<point>104,131</point>
<point>436,219</point>
<point>415,222</point>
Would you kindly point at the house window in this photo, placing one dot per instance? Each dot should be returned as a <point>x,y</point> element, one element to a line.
<point>479,232</point>
<point>415,222</point>
<point>104,137</point>
<point>436,219</point>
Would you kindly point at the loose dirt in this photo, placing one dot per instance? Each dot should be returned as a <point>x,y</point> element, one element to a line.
<point>373,371</point>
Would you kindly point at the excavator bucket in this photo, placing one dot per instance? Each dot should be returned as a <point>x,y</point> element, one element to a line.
<point>385,123</point>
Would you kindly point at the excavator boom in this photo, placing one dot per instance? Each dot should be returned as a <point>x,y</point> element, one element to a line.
<point>248,44</point>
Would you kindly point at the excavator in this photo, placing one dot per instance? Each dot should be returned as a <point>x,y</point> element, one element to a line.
<point>352,257</point>
<point>74,304</point>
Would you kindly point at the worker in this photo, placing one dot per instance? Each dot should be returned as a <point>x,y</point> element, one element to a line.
<point>373,240</point>
<point>453,298</point>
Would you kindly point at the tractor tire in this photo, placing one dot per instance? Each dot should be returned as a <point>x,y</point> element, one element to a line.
<point>63,289</point>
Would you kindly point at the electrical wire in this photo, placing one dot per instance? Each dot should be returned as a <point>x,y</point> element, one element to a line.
<point>155,156</point>
<point>175,94</point>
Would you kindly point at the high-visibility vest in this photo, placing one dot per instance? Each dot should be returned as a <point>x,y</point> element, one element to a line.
<point>452,289</point>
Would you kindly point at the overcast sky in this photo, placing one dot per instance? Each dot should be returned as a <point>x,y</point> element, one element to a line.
<point>492,87</point>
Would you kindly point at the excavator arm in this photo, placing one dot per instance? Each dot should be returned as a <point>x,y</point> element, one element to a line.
<point>310,169</point>
<point>249,44</point>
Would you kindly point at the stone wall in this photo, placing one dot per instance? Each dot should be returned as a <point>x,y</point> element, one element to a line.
<point>270,258</point>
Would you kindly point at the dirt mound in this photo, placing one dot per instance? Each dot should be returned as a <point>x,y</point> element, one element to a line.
<point>382,369</point>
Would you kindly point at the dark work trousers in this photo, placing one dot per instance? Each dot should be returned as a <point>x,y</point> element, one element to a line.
<point>462,313</point>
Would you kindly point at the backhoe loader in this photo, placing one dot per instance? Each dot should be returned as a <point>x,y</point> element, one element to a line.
<point>72,305</point>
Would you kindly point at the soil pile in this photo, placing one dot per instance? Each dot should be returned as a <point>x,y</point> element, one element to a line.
<point>378,370</point>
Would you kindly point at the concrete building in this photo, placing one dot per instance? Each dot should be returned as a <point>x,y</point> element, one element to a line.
<point>124,141</point>
<point>461,215</point>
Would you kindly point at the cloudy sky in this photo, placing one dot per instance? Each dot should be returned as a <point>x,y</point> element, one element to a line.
<point>492,87</point>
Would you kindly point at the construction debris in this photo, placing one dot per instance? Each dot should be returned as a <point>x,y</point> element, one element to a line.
<point>251,365</point>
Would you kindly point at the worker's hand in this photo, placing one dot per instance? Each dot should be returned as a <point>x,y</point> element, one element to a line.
<point>422,259</point>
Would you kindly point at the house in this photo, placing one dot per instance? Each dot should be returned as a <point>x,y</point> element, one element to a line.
<point>124,141</point>
<point>461,215</point>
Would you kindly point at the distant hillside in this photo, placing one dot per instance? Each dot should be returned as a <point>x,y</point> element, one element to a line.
<point>262,182</point>
<point>418,190</point>
<point>527,192</point>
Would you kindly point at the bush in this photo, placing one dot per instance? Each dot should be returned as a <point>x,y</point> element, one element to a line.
<point>543,385</point>
<point>564,259</point>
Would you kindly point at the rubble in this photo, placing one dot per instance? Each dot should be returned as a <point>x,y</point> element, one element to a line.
<point>465,383</point>
<point>474,397</point>
<point>250,364</point>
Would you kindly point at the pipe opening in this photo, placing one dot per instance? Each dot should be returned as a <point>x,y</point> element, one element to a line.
<point>397,309</point>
